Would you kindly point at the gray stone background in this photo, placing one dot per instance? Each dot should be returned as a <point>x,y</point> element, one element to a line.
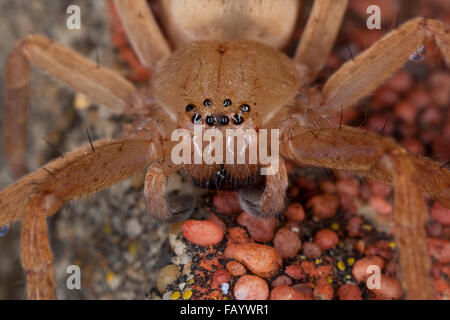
<point>108,234</point>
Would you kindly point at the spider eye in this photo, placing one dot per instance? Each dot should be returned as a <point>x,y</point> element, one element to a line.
<point>190,107</point>
<point>196,118</point>
<point>237,119</point>
<point>224,120</point>
<point>207,103</point>
<point>226,102</point>
<point>210,120</point>
<point>245,108</point>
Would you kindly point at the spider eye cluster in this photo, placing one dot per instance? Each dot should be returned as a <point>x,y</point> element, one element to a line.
<point>214,119</point>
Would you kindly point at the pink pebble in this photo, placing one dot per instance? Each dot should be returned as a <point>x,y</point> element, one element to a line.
<point>405,111</point>
<point>284,292</point>
<point>434,228</point>
<point>287,243</point>
<point>323,290</point>
<point>281,281</point>
<point>221,276</point>
<point>347,186</point>
<point>202,232</point>
<point>381,206</point>
<point>235,268</point>
<point>251,288</point>
<point>360,268</point>
<point>295,212</point>
<point>260,229</point>
<point>326,239</point>
<point>294,271</point>
<point>306,288</point>
<point>213,218</point>
<point>354,227</point>
<point>311,250</point>
<point>227,202</point>
<point>439,249</point>
<point>260,259</point>
<point>390,288</point>
<point>323,206</point>
<point>441,214</point>
<point>379,188</point>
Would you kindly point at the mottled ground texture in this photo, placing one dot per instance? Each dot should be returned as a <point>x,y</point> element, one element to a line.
<point>108,234</point>
<point>120,251</point>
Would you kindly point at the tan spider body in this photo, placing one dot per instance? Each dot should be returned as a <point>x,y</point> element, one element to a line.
<point>213,73</point>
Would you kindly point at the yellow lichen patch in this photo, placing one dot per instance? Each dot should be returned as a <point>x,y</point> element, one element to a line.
<point>191,281</point>
<point>81,102</point>
<point>392,245</point>
<point>132,249</point>
<point>317,261</point>
<point>335,226</point>
<point>348,277</point>
<point>341,266</point>
<point>176,295</point>
<point>187,294</point>
<point>350,261</point>
<point>330,279</point>
<point>107,229</point>
<point>110,276</point>
<point>367,227</point>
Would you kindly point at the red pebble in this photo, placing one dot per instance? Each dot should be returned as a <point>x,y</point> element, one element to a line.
<point>405,111</point>
<point>213,218</point>
<point>260,259</point>
<point>413,145</point>
<point>294,271</point>
<point>287,243</point>
<point>379,188</point>
<point>328,187</point>
<point>323,206</point>
<point>347,187</point>
<point>349,292</point>
<point>354,227</point>
<point>227,202</point>
<point>221,276</point>
<point>401,81</point>
<point>237,235</point>
<point>281,281</point>
<point>381,206</point>
<point>420,98</point>
<point>434,228</point>
<point>381,248</point>
<point>202,232</point>
<point>311,250</point>
<point>323,290</point>
<point>326,239</point>
<point>251,288</point>
<point>441,214</point>
<point>360,272</point>
<point>260,229</point>
<point>306,184</point>
<point>390,289</point>
<point>305,288</point>
<point>295,212</point>
<point>293,226</point>
<point>235,268</point>
<point>439,249</point>
<point>287,293</point>
<point>384,97</point>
